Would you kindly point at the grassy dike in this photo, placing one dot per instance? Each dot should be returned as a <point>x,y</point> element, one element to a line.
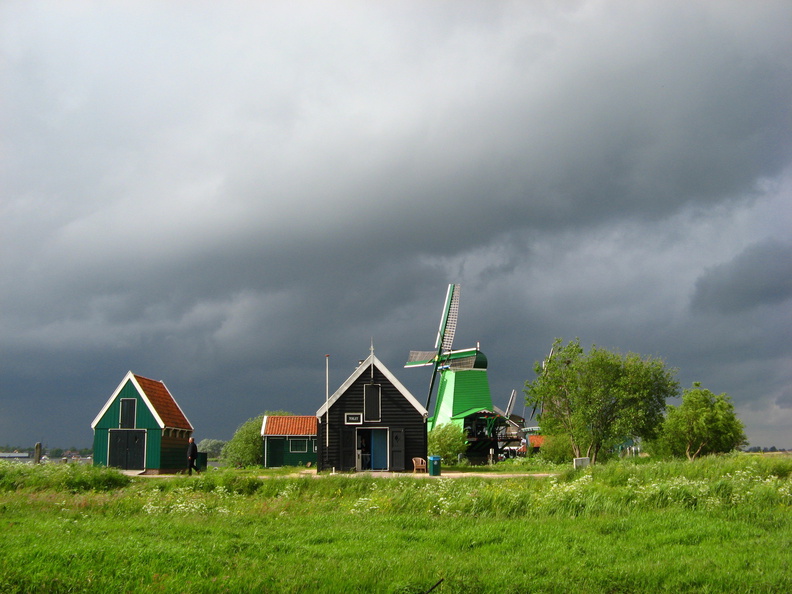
<point>717,525</point>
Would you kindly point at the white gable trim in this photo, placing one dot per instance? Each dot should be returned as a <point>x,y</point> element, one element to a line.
<point>363,367</point>
<point>264,426</point>
<point>129,377</point>
<point>111,399</point>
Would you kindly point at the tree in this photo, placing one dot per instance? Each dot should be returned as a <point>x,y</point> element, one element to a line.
<point>246,447</point>
<point>213,447</point>
<point>600,398</point>
<point>703,424</point>
<point>447,441</point>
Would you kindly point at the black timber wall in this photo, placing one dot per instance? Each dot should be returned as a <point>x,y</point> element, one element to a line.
<point>396,413</point>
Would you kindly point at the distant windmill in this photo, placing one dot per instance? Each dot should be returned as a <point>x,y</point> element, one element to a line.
<point>463,396</point>
<point>510,405</point>
<point>545,363</point>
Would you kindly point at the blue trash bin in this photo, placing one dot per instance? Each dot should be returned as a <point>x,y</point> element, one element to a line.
<point>434,465</point>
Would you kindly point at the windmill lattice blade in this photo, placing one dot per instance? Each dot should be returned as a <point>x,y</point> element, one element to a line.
<point>451,319</point>
<point>510,405</point>
<point>421,357</point>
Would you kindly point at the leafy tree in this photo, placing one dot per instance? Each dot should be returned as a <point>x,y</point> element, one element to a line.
<point>447,441</point>
<point>246,447</point>
<point>213,447</point>
<point>600,398</point>
<point>703,424</point>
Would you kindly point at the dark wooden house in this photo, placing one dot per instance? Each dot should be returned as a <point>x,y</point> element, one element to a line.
<point>371,422</point>
<point>289,441</point>
<point>141,427</point>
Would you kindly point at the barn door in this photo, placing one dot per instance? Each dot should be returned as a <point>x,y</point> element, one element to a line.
<point>116,456</point>
<point>397,449</point>
<point>136,450</point>
<point>275,448</point>
<point>127,449</point>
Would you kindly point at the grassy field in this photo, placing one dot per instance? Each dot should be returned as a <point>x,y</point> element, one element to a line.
<point>717,525</point>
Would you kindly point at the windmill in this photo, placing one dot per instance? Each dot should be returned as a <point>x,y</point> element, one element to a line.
<point>444,358</point>
<point>463,394</point>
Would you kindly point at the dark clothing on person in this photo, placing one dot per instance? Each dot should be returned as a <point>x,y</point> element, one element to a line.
<point>192,455</point>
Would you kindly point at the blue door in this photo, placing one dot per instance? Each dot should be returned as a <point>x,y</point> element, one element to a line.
<point>379,449</point>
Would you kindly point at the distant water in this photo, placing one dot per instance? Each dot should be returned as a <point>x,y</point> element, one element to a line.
<point>50,460</point>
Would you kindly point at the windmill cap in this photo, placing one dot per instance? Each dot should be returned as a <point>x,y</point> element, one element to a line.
<point>480,361</point>
<point>465,359</point>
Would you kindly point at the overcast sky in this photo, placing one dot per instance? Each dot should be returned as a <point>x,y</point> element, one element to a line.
<point>219,194</point>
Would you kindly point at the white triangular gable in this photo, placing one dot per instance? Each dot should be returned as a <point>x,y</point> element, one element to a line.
<point>129,377</point>
<point>362,368</point>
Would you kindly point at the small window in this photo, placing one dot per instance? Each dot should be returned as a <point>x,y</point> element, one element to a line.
<point>298,446</point>
<point>371,402</point>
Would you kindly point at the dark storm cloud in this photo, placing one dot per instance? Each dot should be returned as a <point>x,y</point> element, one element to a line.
<point>785,399</point>
<point>219,196</point>
<point>760,275</point>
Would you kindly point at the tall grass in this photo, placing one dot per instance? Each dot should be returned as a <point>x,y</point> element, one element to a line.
<point>62,477</point>
<point>615,488</point>
<point>604,529</point>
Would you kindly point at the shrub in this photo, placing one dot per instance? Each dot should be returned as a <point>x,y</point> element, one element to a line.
<point>246,447</point>
<point>556,449</point>
<point>447,441</point>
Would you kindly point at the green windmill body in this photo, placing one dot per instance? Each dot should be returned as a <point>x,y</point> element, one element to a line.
<point>463,394</point>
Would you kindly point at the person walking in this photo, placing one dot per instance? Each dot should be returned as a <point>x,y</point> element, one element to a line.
<point>192,455</point>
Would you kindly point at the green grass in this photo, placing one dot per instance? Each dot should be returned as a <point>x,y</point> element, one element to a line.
<point>70,477</point>
<point>719,525</point>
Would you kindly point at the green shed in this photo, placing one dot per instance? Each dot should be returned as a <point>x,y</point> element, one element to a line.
<point>289,440</point>
<point>141,427</point>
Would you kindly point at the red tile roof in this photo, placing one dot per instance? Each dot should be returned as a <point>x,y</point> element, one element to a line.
<point>163,403</point>
<point>291,425</point>
<point>536,441</point>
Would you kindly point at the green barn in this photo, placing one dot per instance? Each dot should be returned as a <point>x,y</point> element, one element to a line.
<point>141,427</point>
<point>289,440</point>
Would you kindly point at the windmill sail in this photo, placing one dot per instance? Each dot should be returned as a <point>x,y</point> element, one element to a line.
<point>510,405</point>
<point>445,337</point>
<point>421,358</point>
<point>448,322</point>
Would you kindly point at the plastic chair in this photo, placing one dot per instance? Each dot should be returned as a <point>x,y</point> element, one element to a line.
<point>419,465</point>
